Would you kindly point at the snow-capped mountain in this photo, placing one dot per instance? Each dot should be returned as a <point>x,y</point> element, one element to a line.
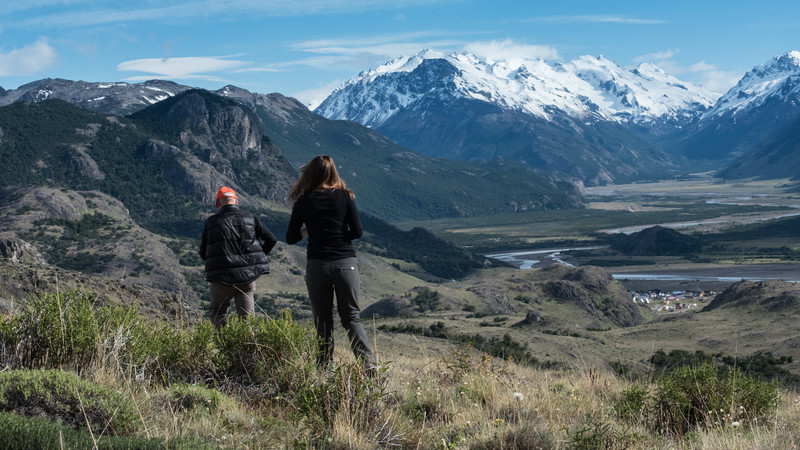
<point>588,88</point>
<point>584,118</point>
<point>117,98</point>
<point>762,102</point>
<point>778,79</point>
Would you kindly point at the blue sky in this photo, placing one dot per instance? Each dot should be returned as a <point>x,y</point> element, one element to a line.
<point>306,48</point>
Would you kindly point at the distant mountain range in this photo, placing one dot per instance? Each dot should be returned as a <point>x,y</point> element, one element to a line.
<point>588,118</point>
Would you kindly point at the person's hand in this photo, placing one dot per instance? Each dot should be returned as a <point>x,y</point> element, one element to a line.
<point>304,232</point>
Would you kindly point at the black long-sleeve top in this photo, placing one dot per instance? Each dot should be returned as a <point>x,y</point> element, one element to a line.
<point>331,219</point>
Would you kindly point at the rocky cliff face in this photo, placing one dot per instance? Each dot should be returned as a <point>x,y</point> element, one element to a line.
<point>225,141</point>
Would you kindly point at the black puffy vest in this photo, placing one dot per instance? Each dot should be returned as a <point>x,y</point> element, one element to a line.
<point>231,246</point>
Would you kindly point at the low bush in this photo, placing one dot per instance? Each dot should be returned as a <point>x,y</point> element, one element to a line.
<point>64,396</point>
<point>705,396</point>
<point>187,397</point>
<point>23,433</point>
<point>691,397</point>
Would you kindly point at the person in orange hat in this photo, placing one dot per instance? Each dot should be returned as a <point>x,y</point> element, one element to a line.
<point>234,245</point>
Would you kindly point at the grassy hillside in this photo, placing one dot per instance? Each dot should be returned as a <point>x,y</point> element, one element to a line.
<point>253,384</point>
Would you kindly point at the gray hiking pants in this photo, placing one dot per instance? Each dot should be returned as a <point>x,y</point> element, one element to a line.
<point>340,277</point>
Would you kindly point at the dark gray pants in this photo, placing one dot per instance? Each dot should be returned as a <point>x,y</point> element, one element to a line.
<point>221,295</point>
<point>340,277</point>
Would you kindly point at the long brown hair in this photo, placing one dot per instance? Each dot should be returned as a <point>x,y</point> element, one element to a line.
<point>320,173</point>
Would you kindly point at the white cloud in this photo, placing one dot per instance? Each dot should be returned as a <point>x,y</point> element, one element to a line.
<point>719,80</point>
<point>657,56</point>
<point>29,59</point>
<point>701,66</point>
<point>313,97</point>
<point>595,19</point>
<point>357,53</point>
<point>707,75</point>
<point>511,50</point>
<point>191,67</point>
<point>133,11</point>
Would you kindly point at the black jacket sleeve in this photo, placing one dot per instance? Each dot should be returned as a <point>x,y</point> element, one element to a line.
<point>266,236</point>
<point>293,233</point>
<point>203,242</point>
<point>354,230</point>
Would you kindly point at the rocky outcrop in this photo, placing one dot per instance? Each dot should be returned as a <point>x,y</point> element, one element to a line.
<point>495,298</point>
<point>83,164</point>
<point>772,295</point>
<point>118,248</point>
<point>600,299</point>
<point>390,306</point>
<point>220,140</point>
<point>18,251</point>
<point>20,282</point>
<point>656,241</point>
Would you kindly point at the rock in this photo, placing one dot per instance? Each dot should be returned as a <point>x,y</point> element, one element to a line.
<point>495,298</point>
<point>773,295</point>
<point>18,251</point>
<point>390,306</point>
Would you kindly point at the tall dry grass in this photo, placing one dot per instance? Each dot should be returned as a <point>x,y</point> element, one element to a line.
<point>253,385</point>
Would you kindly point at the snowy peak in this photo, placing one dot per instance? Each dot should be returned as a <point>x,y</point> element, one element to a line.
<point>590,88</point>
<point>778,79</point>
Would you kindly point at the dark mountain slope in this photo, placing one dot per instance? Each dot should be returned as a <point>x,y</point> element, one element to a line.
<point>397,184</point>
<point>778,157</point>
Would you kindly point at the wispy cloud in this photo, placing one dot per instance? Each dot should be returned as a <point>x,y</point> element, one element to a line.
<point>184,68</point>
<point>511,50</point>
<point>707,75</point>
<point>29,59</point>
<point>360,52</point>
<point>657,56</point>
<point>97,13</point>
<point>594,19</point>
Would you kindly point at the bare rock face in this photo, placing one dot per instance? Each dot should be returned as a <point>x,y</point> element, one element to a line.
<point>84,164</point>
<point>18,251</point>
<point>225,140</point>
<point>495,298</point>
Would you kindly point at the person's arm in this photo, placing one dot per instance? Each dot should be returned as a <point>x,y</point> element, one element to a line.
<point>268,239</point>
<point>294,233</point>
<point>203,240</point>
<point>354,230</point>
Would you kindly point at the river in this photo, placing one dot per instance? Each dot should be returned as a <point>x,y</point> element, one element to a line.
<point>536,259</point>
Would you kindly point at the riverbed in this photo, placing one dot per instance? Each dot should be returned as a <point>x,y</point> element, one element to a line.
<point>688,276</point>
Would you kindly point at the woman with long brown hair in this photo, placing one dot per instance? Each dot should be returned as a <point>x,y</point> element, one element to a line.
<point>324,210</point>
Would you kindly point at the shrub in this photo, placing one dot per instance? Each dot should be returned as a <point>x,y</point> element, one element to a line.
<point>63,395</point>
<point>691,397</point>
<point>63,330</point>
<point>632,403</point>
<point>189,396</point>
<point>23,433</point>
<point>272,350</point>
